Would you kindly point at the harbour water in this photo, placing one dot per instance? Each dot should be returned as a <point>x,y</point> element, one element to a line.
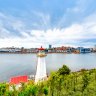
<point>25,64</point>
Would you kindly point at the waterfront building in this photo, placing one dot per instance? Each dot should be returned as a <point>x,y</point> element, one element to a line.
<point>10,50</point>
<point>84,50</point>
<point>69,50</point>
<point>62,49</point>
<point>41,66</point>
<point>32,50</point>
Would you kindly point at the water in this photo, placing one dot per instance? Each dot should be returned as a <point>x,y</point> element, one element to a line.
<point>25,64</point>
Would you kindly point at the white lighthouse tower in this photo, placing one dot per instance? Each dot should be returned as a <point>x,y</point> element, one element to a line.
<point>41,66</point>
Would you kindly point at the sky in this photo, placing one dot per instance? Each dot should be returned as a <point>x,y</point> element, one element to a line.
<point>32,23</point>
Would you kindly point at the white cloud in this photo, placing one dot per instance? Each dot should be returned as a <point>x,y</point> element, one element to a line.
<point>71,35</point>
<point>43,20</point>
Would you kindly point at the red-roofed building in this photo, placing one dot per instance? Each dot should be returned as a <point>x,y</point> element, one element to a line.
<point>18,79</point>
<point>41,48</point>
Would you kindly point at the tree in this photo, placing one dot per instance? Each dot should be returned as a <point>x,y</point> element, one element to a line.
<point>85,81</point>
<point>64,70</point>
<point>9,93</point>
<point>52,83</point>
<point>2,88</point>
<point>34,90</point>
<point>45,90</point>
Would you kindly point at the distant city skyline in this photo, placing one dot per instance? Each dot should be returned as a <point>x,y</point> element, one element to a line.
<point>32,23</point>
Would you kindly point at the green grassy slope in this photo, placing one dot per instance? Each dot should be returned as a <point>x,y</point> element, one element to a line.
<point>60,83</point>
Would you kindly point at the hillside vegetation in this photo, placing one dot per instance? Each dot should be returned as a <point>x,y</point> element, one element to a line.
<point>60,83</point>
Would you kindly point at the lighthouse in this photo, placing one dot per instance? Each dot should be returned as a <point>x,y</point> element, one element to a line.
<point>41,66</point>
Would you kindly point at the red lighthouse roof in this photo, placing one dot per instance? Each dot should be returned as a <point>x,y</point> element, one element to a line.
<point>41,48</point>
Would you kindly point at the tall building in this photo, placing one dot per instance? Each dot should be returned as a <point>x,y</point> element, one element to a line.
<point>94,48</point>
<point>50,46</point>
<point>41,66</point>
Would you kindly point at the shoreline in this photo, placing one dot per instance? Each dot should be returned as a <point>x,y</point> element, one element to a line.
<point>46,53</point>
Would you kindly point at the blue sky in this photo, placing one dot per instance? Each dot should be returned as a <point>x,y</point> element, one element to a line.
<point>32,23</point>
